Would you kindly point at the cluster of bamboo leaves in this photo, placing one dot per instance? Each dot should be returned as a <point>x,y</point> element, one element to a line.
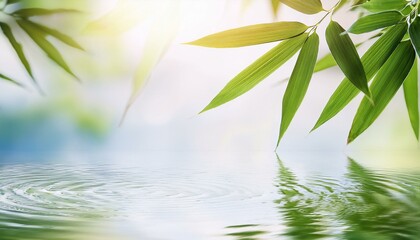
<point>388,65</point>
<point>17,18</point>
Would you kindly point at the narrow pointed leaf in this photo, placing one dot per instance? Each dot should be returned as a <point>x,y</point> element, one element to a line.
<point>155,48</point>
<point>325,62</point>
<point>376,21</point>
<point>275,5</point>
<point>358,2</point>
<point>4,77</point>
<point>346,56</point>
<point>372,60</point>
<point>163,31</point>
<point>40,39</point>
<point>252,35</point>
<point>299,82</point>
<point>31,12</point>
<point>386,84</point>
<point>57,34</point>
<point>414,31</point>
<point>17,47</point>
<point>411,94</point>
<point>328,61</point>
<point>384,5</point>
<point>305,6</point>
<point>258,71</point>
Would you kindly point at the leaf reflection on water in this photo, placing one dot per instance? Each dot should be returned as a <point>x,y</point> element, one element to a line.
<point>366,204</point>
<point>67,202</point>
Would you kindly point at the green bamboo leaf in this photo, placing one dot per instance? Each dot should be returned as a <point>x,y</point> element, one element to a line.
<point>386,84</point>
<point>358,2</point>
<point>414,31</point>
<point>372,60</point>
<point>328,61</point>
<point>252,35</point>
<point>299,82</point>
<point>411,93</point>
<point>325,62</point>
<point>275,5</point>
<point>163,32</point>
<point>305,6</point>
<point>258,71</point>
<point>17,47</point>
<point>384,5</point>
<point>4,77</point>
<point>346,56</point>
<point>40,39</point>
<point>57,34</point>
<point>12,1</point>
<point>322,64</point>
<point>376,21</point>
<point>31,12</point>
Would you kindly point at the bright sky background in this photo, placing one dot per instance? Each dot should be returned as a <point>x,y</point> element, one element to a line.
<point>165,116</point>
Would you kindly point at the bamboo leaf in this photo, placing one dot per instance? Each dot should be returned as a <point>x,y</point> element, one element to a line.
<point>57,34</point>
<point>258,71</point>
<point>372,60</point>
<point>252,35</point>
<point>346,56</point>
<point>384,5</point>
<point>299,82</point>
<point>275,5</point>
<point>305,6</point>
<point>376,21</point>
<point>386,84</point>
<point>164,30</point>
<point>40,39</point>
<point>411,94</point>
<point>328,61</point>
<point>12,1</point>
<point>31,12</point>
<point>17,47</point>
<point>414,31</point>
<point>358,2</point>
<point>4,77</point>
<point>325,62</point>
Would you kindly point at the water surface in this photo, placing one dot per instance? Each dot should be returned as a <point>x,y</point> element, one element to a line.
<point>207,196</point>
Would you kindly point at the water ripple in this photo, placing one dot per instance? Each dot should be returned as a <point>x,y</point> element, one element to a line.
<point>69,201</point>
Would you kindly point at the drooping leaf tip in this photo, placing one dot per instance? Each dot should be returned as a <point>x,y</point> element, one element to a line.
<point>194,43</point>
<point>205,109</point>
<point>313,129</point>
<point>316,126</point>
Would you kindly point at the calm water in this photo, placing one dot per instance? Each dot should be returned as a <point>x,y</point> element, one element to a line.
<point>207,196</point>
